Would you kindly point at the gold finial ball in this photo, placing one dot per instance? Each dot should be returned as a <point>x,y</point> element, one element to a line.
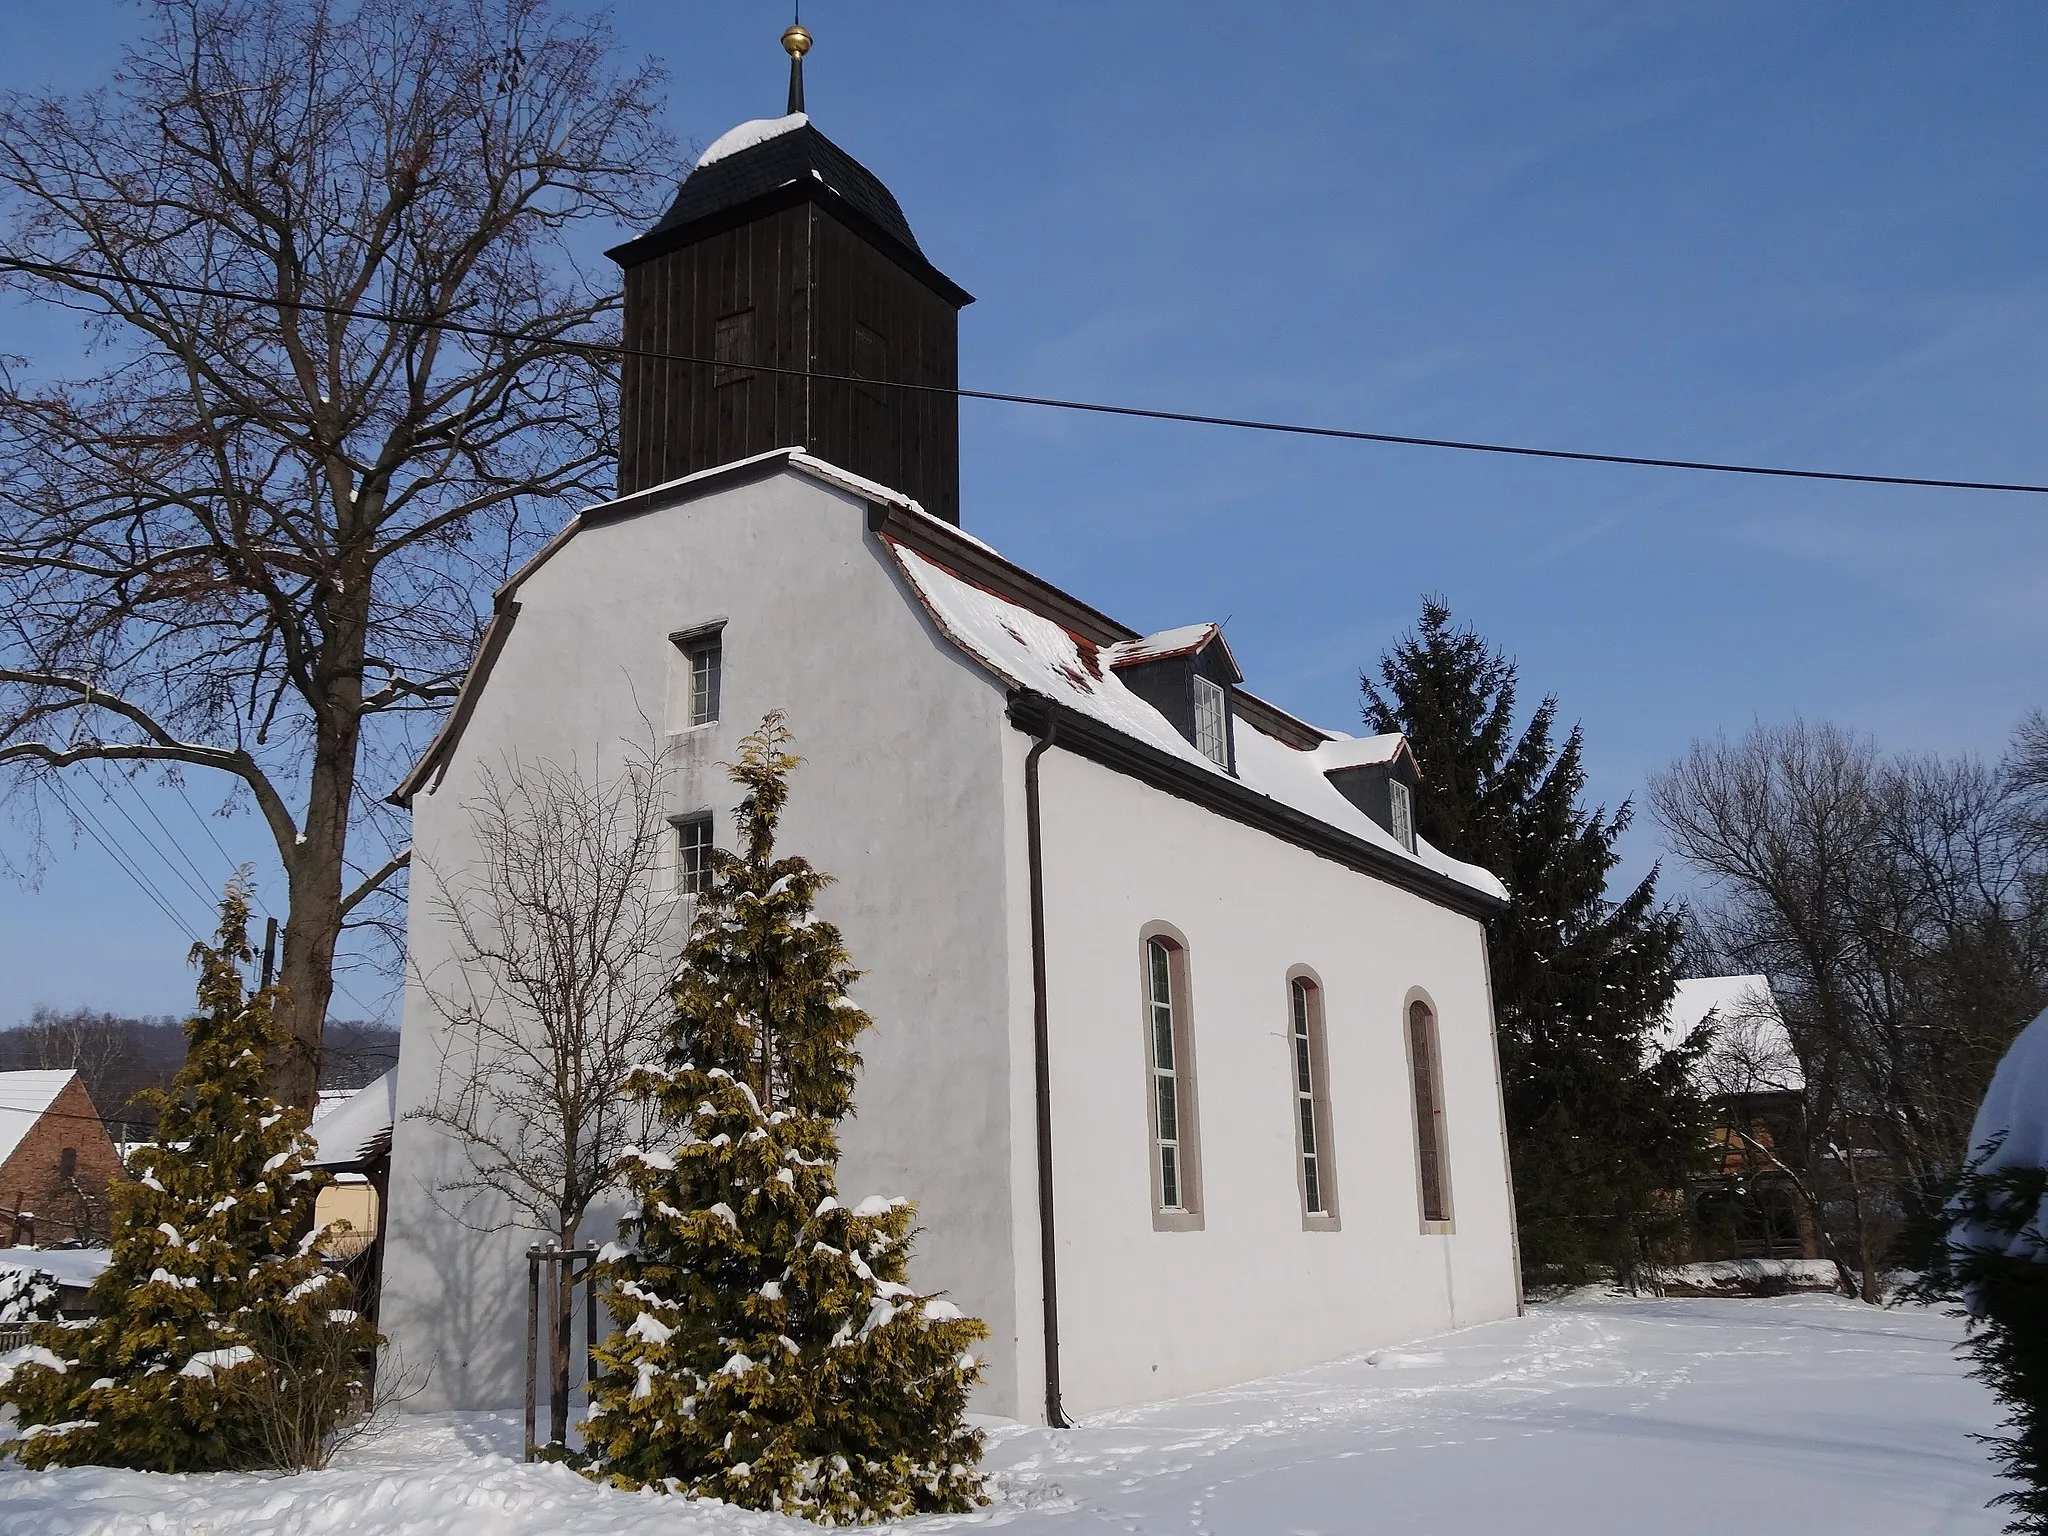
<point>795,40</point>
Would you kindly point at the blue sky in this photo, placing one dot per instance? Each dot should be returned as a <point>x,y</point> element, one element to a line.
<point>1812,235</point>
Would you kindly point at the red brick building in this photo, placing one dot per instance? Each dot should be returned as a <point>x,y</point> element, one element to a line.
<point>56,1160</point>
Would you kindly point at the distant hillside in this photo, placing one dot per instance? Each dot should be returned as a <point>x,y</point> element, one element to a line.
<point>122,1057</point>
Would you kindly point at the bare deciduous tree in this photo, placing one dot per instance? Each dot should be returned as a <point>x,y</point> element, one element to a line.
<point>256,541</point>
<point>556,986</point>
<point>1900,906</point>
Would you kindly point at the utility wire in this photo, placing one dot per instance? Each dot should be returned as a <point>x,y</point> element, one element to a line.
<point>84,818</point>
<point>197,888</point>
<point>204,825</point>
<point>1095,407</point>
<point>212,892</point>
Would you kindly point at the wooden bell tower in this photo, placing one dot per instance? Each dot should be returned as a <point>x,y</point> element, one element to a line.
<point>788,277</point>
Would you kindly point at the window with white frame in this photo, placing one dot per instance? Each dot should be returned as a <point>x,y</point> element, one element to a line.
<point>693,854</point>
<point>1425,1067</point>
<point>1176,1176</point>
<point>1165,1074</point>
<point>1311,1101</point>
<point>707,661</point>
<point>1401,813</point>
<point>1212,723</point>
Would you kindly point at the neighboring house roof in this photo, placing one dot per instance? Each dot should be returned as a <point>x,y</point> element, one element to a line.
<point>24,1097</point>
<point>359,1129</point>
<point>1751,1051</point>
<point>76,1267</point>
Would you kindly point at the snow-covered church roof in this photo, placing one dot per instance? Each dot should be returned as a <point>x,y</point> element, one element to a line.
<point>1036,638</point>
<point>1028,650</point>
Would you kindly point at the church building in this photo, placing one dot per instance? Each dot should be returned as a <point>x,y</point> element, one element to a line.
<point>1184,1045</point>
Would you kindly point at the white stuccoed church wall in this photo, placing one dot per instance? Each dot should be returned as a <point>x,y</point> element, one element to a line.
<point>901,798</point>
<point>1147,1314</point>
<point>912,795</point>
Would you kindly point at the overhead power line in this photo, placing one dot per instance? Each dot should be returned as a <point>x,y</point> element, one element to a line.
<point>1048,402</point>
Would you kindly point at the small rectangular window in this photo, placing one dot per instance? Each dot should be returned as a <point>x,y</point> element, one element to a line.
<point>1401,809</point>
<point>706,662</point>
<point>693,855</point>
<point>1212,728</point>
<point>733,347</point>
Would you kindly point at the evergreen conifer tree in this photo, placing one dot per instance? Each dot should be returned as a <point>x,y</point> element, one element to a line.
<point>1604,1126</point>
<point>213,1275</point>
<point>770,1351</point>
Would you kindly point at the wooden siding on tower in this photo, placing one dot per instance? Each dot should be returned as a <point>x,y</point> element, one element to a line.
<point>822,298</point>
<point>908,439</point>
<point>674,417</point>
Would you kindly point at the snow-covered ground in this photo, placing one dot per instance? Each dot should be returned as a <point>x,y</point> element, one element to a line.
<point>1803,1413</point>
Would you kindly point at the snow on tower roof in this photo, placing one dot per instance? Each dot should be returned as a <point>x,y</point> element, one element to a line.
<point>24,1097</point>
<point>746,135</point>
<point>1028,650</point>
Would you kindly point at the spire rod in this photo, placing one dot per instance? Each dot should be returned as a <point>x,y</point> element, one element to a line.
<point>797,42</point>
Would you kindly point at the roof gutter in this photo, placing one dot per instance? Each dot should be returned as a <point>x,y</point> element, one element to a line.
<point>1036,714</point>
<point>1041,1046</point>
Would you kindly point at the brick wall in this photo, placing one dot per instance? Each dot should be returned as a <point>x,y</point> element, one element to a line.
<point>34,1178</point>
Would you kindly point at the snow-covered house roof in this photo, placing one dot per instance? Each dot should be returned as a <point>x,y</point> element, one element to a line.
<point>24,1098</point>
<point>1751,1051</point>
<point>358,1130</point>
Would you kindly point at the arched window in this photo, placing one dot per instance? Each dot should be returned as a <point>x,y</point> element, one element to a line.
<point>67,1163</point>
<point>1425,1067</point>
<point>1316,1168</point>
<point>1169,1055</point>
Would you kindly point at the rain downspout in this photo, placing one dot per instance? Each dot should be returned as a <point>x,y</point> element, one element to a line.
<point>1042,1051</point>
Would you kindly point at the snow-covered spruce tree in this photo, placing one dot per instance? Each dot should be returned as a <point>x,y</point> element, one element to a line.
<point>213,1274</point>
<point>1998,1249</point>
<point>26,1296</point>
<point>770,1351</point>
<point>1603,1125</point>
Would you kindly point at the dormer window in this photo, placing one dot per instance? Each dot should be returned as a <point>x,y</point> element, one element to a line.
<point>1379,775</point>
<point>1401,806</point>
<point>1186,674</point>
<point>1212,727</point>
